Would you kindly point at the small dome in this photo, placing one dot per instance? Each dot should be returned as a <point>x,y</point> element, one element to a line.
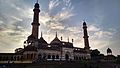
<point>56,41</point>
<point>109,50</point>
<point>41,40</point>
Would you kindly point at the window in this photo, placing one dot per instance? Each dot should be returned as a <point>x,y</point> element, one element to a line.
<point>6,58</point>
<point>79,58</point>
<point>44,56</point>
<point>49,45</point>
<point>11,58</point>
<point>27,56</point>
<point>0,58</point>
<point>57,56</point>
<point>53,57</point>
<point>31,56</point>
<point>15,58</point>
<point>40,56</point>
<point>66,56</point>
<point>18,58</point>
<point>76,58</point>
<point>63,43</point>
<point>49,56</point>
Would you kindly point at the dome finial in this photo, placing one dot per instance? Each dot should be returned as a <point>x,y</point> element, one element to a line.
<point>84,23</point>
<point>83,20</point>
<point>37,1</point>
<point>41,33</point>
<point>109,51</point>
<point>68,39</point>
<point>56,33</point>
<point>36,4</point>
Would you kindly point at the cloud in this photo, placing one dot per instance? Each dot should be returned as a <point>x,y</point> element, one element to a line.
<point>15,24</point>
<point>98,37</point>
<point>74,29</point>
<point>16,18</point>
<point>103,34</point>
<point>56,21</point>
<point>53,3</point>
<point>93,28</point>
<point>56,26</point>
<point>63,15</point>
<point>12,32</point>
<point>1,22</point>
<point>11,39</point>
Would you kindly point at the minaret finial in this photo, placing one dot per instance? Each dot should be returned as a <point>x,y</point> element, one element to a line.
<point>84,23</point>
<point>68,39</point>
<point>37,1</point>
<point>83,20</point>
<point>41,33</point>
<point>56,33</point>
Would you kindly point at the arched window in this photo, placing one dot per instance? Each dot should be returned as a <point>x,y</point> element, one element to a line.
<point>39,56</point>
<point>21,58</point>
<point>34,55</point>
<point>18,58</point>
<point>57,56</point>
<point>76,58</point>
<point>79,58</point>
<point>49,56</point>
<point>11,58</point>
<point>82,57</point>
<point>3,58</point>
<point>44,56</point>
<point>27,56</point>
<point>15,58</point>
<point>0,58</point>
<point>6,58</point>
<point>53,57</point>
<point>31,56</point>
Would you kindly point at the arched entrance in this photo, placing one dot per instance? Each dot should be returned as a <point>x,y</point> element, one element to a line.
<point>66,56</point>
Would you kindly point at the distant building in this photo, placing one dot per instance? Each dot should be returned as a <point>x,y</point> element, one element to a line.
<point>109,57</point>
<point>37,49</point>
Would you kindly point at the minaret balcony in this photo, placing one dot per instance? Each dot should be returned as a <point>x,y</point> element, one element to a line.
<point>35,23</point>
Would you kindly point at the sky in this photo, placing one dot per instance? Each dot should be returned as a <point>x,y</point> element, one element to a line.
<point>65,17</point>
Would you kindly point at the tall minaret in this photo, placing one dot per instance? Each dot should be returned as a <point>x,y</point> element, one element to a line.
<point>35,24</point>
<point>86,41</point>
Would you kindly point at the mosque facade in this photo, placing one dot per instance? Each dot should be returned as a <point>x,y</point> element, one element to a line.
<point>37,49</point>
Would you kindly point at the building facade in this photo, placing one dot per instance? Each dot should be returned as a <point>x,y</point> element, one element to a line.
<point>37,49</point>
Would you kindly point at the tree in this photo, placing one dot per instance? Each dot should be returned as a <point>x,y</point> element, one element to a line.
<point>95,54</point>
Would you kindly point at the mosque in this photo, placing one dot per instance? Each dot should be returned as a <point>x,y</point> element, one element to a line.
<point>37,49</point>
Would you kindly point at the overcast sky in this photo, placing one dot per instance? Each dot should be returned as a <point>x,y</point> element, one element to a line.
<point>65,17</point>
